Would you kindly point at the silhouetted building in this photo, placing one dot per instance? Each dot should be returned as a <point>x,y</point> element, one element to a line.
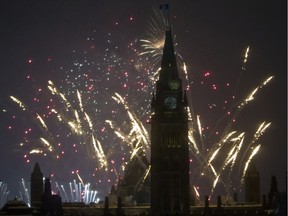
<point>272,192</point>
<point>113,196</point>
<point>36,186</point>
<point>280,203</point>
<point>169,139</point>
<point>135,185</point>
<point>16,207</point>
<point>252,184</point>
<point>51,203</point>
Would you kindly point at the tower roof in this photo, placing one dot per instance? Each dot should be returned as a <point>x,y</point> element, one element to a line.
<point>168,65</point>
<point>36,169</point>
<point>252,170</point>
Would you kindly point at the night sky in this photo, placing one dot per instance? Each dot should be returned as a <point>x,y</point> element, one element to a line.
<point>92,49</point>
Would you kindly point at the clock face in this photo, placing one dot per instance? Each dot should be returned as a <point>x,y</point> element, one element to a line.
<point>174,85</point>
<point>170,103</point>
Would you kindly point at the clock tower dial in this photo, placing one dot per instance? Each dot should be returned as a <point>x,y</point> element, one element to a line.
<point>170,102</point>
<point>174,85</point>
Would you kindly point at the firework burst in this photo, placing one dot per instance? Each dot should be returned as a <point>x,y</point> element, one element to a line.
<point>93,119</point>
<point>154,42</point>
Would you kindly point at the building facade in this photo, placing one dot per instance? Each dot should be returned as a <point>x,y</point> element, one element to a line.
<point>252,185</point>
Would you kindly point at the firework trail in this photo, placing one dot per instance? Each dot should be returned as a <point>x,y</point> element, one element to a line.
<point>236,145</point>
<point>230,142</point>
<point>153,45</point>
<point>245,58</point>
<point>138,130</point>
<point>234,106</point>
<point>76,108</point>
<point>40,123</point>
<point>243,68</point>
<point>79,192</point>
<point>62,191</point>
<point>99,153</point>
<point>25,194</point>
<point>47,144</point>
<point>78,122</point>
<point>89,195</point>
<point>3,194</point>
<point>137,138</point>
<point>74,123</point>
<point>68,121</point>
<point>78,127</point>
<point>260,131</point>
<point>254,152</point>
<point>21,104</point>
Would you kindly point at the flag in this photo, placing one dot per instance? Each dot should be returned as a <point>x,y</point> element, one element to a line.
<point>164,7</point>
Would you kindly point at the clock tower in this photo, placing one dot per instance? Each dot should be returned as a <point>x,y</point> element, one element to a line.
<point>169,139</point>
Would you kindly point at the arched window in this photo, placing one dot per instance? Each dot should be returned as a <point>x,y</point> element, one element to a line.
<point>176,164</point>
<point>166,164</point>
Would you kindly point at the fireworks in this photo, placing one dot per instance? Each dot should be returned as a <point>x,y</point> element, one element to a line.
<point>78,192</point>
<point>72,129</point>
<point>3,193</point>
<point>24,193</point>
<point>153,45</point>
<point>229,146</point>
<point>94,119</point>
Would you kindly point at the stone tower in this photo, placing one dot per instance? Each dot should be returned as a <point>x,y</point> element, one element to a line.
<point>272,192</point>
<point>252,184</point>
<point>169,139</point>
<point>36,186</point>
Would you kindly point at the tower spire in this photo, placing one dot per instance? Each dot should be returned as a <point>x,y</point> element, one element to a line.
<point>168,65</point>
<point>36,186</point>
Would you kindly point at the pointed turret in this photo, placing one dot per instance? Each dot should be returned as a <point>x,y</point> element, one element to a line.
<point>47,187</point>
<point>169,92</point>
<point>169,65</point>
<point>37,170</point>
<point>36,186</point>
<point>252,184</point>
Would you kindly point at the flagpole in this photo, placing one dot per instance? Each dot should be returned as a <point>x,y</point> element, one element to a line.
<point>168,18</point>
<point>165,10</point>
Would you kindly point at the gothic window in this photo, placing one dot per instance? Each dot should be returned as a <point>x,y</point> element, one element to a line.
<point>176,186</point>
<point>176,194</point>
<point>166,164</point>
<point>177,204</point>
<point>166,193</point>
<point>176,165</point>
<point>171,139</point>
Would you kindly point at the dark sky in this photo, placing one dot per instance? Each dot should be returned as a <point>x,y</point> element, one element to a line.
<point>60,40</point>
